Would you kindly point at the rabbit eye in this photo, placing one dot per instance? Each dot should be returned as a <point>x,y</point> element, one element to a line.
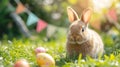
<point>83,29</point>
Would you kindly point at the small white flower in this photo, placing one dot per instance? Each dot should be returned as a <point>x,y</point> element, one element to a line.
<point>56,16</point>
<point>82,60</point>
<point>47,2</point>
<point>10,42</point>
<point>1,58</point>
<point>101,61</point>
<point>115,63</point>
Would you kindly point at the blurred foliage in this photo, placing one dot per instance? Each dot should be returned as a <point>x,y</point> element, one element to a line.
<point>53,12</point>
<point>7,26</point>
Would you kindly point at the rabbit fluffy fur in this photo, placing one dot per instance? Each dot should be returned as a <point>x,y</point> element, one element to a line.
<point>81,39</point>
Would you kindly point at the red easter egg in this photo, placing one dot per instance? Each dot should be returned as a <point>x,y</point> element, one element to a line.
<point>21,63</point>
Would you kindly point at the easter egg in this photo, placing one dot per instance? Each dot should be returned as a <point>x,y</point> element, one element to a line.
<point>21,63</point>
<point>40,50</point>
<point>45,60</point>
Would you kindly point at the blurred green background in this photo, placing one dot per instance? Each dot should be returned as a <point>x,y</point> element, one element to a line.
<point>105,20</point>
<point>54,12</point>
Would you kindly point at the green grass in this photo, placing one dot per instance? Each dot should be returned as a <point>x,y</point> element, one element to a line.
<point>16,49</point>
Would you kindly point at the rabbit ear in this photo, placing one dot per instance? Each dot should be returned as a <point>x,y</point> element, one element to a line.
<point>72,15</point>
<point>86,15</point>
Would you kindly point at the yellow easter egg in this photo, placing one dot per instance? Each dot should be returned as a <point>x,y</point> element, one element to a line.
<point>45,60</point>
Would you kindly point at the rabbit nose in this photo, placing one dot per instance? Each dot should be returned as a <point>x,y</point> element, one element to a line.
<point>74,38</point>
<point>77,38</point>
<point>71,38</point>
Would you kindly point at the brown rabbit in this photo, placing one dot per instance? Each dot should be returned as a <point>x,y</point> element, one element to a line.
<point>81,39</point>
